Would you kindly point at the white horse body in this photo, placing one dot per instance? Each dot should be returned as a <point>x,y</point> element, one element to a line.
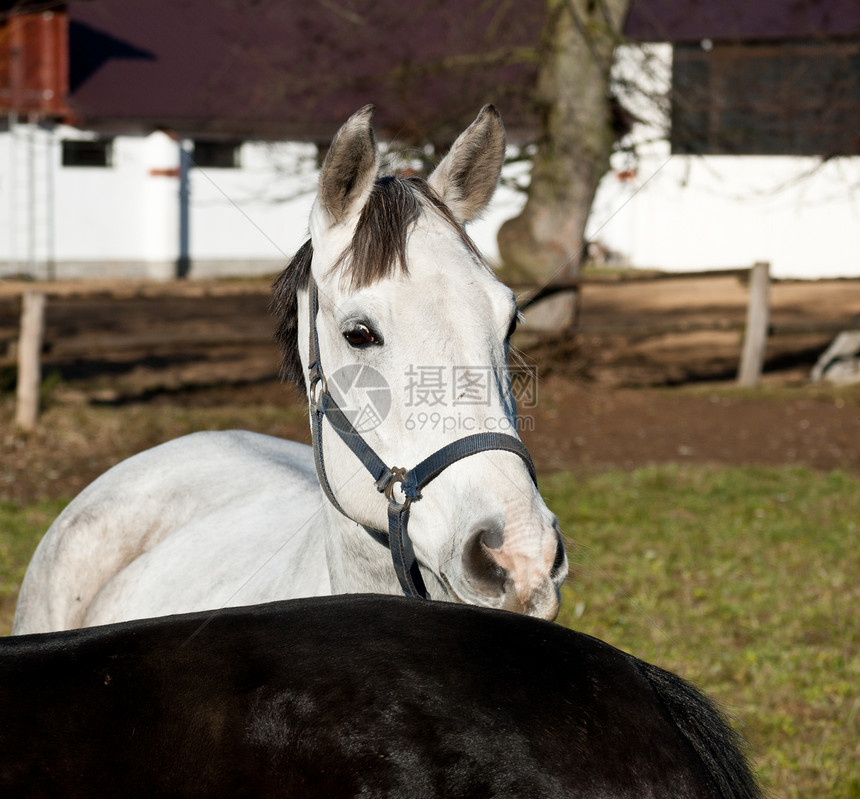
<point>239,511</point>
<point>217,519</point>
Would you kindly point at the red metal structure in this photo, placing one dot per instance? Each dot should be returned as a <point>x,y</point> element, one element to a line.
<point>34,63</point>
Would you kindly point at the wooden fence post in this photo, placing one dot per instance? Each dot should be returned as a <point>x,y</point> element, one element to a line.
<point>758,318</point>
<point>29,359</point>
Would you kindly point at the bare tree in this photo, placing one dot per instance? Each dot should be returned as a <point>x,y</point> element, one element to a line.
<point>545,242</point>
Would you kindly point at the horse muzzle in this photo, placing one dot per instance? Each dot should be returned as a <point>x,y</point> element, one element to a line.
<point>499,571</point>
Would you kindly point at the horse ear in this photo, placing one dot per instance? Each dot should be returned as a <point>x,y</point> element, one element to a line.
<point>350,168</point>
<point>466,178</point>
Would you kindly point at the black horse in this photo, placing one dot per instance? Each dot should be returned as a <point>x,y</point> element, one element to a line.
<point>350,696</point>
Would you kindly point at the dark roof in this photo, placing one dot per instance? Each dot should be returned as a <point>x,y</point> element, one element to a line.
<point>294,68</point>
<point>741,20</point>
<point>26,6</point>
<point>298,68</point>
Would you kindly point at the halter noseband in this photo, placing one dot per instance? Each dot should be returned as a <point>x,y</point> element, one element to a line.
<point>322,405</point>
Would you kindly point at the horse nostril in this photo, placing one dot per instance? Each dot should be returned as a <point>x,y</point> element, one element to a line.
<point>492,536</point>
<point>480,565</point>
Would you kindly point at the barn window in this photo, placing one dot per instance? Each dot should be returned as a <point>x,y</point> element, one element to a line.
<point>773,98</point>
<point>217,154</point>
<point>87,152</point>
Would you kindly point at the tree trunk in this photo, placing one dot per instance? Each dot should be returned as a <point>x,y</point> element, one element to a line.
<point>546,241</point>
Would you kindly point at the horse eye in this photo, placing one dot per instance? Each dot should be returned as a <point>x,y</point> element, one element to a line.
<point>513,325</point>
<point>360,336</point>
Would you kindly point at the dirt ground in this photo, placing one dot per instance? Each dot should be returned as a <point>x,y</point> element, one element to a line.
<point>611,393</point>
<point>629,398</point>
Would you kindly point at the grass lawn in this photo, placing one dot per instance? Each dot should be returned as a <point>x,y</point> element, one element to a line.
<point>744,580</point>
<point>20,531</point>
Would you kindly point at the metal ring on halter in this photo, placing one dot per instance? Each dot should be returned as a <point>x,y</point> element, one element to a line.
<point>396,474</point>
<point>317,389</point>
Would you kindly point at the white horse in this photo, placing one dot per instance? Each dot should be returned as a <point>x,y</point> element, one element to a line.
<point>385,307</point>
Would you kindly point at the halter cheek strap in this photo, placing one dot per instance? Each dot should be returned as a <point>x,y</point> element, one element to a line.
<point>323,406</point>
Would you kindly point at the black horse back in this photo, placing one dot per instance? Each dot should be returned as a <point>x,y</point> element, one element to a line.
<point>352,696</point>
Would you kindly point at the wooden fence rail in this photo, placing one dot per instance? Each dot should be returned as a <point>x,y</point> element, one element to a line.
<point>107,343</point>
<point>31,342</point>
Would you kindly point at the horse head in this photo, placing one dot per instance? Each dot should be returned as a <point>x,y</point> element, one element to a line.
<point>413,330</point>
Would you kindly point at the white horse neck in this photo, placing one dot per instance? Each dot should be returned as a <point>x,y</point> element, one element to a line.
<point>356,562</point>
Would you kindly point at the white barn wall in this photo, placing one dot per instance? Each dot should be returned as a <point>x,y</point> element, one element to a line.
<point>26,165</point>
<point>677,213</point>
<point>690,213</point>
<point>253,218</point>
<point>110,217</point>
<point>694,213</point>
<point>123,220</point>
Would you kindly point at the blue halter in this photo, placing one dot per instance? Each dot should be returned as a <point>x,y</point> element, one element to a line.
<point>322,405</point>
